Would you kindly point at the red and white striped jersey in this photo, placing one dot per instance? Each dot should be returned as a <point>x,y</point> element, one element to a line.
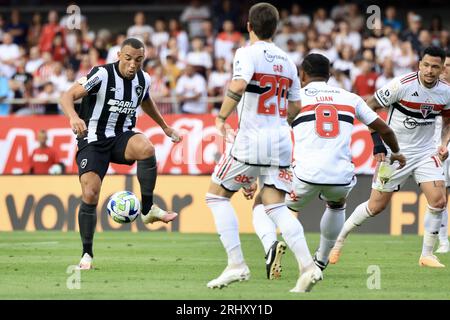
<point>263,137</point>
<point>413,109</point>
<point>323,132</point>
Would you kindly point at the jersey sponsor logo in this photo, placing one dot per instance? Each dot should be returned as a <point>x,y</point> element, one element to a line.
<point>426,110</point>
<point>91,83</point>
<point>271,57</point>
<point>121,106</point>
<point>242,178</point>
<point>311,92</point>
<point>415,94</point>
<point>112,89</point>
<point>138,89</point>
<point>411,123</point>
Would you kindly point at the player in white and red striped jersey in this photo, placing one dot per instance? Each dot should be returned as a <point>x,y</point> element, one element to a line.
<point>322,156</point>
<point>444,245</point>
<point>264,89</point>
<point>413,101</point>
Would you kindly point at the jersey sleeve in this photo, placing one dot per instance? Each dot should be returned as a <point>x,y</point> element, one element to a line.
<point>364,113</point>
<point>294,90</point>
<point>243,67</point>
<point>148,84</point>
<point>389,93</point>
<point>92,82</point>
<point>446,110</point>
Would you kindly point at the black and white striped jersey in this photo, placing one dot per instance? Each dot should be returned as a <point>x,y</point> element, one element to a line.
<point>110,106</point>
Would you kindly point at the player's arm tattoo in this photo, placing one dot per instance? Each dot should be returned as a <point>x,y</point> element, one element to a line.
<point>234,95</point>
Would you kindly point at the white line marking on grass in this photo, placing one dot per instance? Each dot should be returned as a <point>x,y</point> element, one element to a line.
<point>24,244</point>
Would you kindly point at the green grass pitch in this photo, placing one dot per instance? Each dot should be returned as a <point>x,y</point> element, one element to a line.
<point>175,266</point>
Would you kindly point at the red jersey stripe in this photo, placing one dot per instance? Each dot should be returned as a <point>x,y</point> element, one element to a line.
<point>417,105</point>
<point>339,107</point>
<point>258,76</point>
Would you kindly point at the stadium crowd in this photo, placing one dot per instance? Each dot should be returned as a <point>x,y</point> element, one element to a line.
<point>190,58</point>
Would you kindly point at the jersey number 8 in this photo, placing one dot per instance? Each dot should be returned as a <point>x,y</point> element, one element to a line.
<point>327,121</point>
<point>271,108</point>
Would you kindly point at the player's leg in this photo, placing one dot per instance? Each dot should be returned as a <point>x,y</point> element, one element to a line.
<point>376,204</point>
<point>138,147</point>
<point>92,167</point>
<point>436,197</point>
<point>444,245</point>
<point>273,197</point>
<point>222,187</point>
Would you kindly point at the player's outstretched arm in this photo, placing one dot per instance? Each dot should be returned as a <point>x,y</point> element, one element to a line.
<point>293,110</point>
<point>149,107</point>
<point>67,101</point>
<point>445,139</point>
<point>389,137</point>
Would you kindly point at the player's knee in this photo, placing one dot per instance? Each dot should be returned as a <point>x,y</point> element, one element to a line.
<point>438,205</point>
<point>376,208</point>
<point>91,195</point>
<point>147,151</point>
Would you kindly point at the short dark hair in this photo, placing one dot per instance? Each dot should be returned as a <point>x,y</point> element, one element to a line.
<point>263,18</point>
<point>133,42</point>
<point>316,65</point>
<point>434,52</point>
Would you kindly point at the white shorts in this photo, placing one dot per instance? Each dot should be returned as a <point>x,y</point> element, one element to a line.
<point>232,175</point>
<point>302,193</point>
<point>446,168</point>
<point>423,170</point>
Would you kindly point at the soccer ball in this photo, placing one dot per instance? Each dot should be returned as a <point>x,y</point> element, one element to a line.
<point>124,207</point>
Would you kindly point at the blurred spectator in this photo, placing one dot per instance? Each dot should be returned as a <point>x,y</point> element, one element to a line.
<point>175,30</point>
<point>347,37</point>
<point>322,23</point>
<point>59,50</point>
<point>209,36</point>
<point>172,50</point>
<point>364,84</point>
<point>49,31</point>
<point>5,93</point>
<point>9,53</point>
<point>387,75</point>
<point>140,30</point>
<point>340,79</point>
<point>191,92</point>
<point>288,33</point>
<point>193,15</point>
<point>325,47</point>
<point>412,33</point>
<point>35,29</point>
<point>391,19</point>
<point>58,77</point>
<point>67,81</point>
<point>2,26</point>
<point>298,20</point>
<point>385,45</point>
<point>85,66</point>
<point>199,57</point>
<point>444,40</point>
<point>404,59</point>
<point>20,79</point>
<point>160,90</point>
<point>17,28</point>
<point>293,53</point>
<point>45,70</point>
<point>339,11</point>
<point>48,96</point>
<point>34,61</point>
<point>160,37</point>
<point>436,28</point>
<point>224,10</point>
<point>354,17</point>
<point>218,81</point>
<point>425,39</point>
<point>172,71</point>
<point>43,157</point>
<point>344,63</point>
<point>112,52</point>
<point>226,41</point>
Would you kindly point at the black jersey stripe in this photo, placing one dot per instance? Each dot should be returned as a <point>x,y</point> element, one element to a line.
<point>141,79</point>
<point>312,117</point>
<point>127,87</point>
<point>417,115</point>
<point>104,116</point>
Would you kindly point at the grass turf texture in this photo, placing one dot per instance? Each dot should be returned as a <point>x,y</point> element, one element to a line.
<point>175,266</point>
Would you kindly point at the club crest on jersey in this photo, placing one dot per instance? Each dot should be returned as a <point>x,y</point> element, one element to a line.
<point>138,89</point>
<point>426,110</point>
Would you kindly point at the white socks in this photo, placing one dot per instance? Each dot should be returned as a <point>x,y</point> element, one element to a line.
<point>264,227</point>
<point>358,216</point>
<point>227,227</point>
<point>292,232</point>
<point>432,221</point>
<point>443,231</point>
<point>330,227</point>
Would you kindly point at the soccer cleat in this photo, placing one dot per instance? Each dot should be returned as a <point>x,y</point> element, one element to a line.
<point>85,262</point>
<point>273,260</point>
<point>158,214</point>
<point>335,253</point>
<point>308,279</point>
<point>322,265</point>
<point>444,247</point>
<point>430,261</point>
<point>229,275</point>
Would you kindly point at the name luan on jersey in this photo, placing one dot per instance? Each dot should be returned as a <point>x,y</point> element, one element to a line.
<point>264,135</point>
<point>412,112</point>
<point>110,106</point>
<point>323,131</point>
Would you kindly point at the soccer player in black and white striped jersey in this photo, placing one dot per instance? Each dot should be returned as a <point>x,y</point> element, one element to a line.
<point>104,127</point>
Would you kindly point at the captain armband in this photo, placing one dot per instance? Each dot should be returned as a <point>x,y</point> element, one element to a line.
<point>378,145</point>
<point>233,95</point>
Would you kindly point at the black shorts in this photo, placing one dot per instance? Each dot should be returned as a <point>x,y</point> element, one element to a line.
<point>97,155</point>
